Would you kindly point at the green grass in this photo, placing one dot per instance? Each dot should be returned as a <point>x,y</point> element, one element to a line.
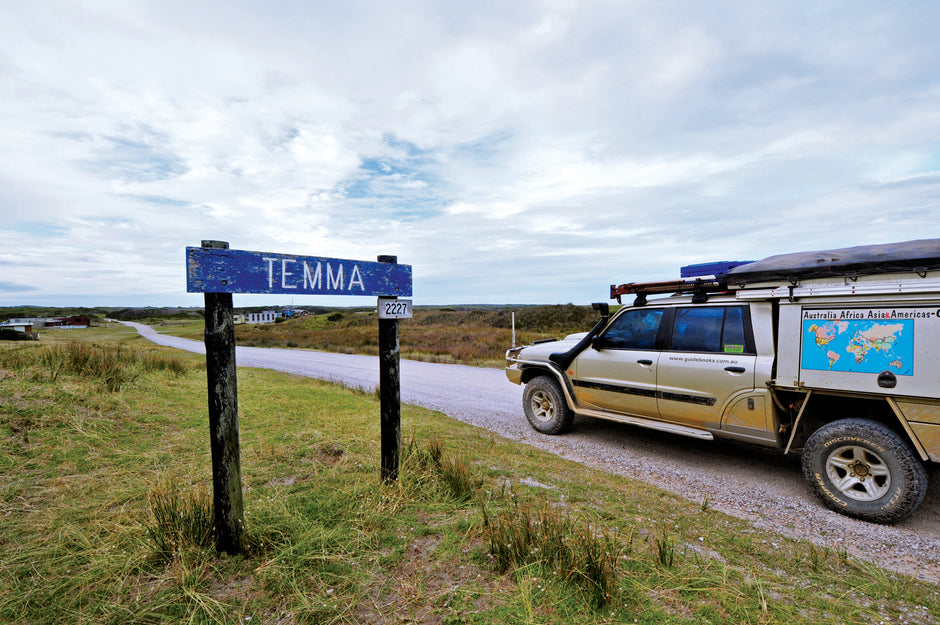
<point>105,496</point>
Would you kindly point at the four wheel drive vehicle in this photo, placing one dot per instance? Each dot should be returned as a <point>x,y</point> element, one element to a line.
<point>835,352</point>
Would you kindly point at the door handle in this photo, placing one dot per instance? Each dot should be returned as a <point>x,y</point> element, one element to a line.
<point>645,362</point>
<point>735,369</point>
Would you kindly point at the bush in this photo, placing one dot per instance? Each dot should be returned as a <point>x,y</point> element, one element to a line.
<point>565,318</point>
<point>8,334</point>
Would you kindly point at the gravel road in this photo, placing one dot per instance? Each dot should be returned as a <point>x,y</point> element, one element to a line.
<point>753,483</point>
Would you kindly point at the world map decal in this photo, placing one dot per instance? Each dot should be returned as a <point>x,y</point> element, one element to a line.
<point>859,346</point>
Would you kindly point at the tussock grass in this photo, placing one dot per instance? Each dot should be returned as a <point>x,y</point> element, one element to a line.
<point>665,549</point>
<point>525,534</point>
<point>180,519</point>
<point>105,513</point>
<point>425,468</point>
<point>113,366</point>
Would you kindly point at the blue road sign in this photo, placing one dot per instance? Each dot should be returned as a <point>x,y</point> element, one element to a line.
<point>214,270</point>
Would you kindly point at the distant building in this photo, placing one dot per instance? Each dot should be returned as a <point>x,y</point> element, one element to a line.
<point>36,322</point>
<point>265,316</point>
<point>20,325</point>
<point>65,323</point>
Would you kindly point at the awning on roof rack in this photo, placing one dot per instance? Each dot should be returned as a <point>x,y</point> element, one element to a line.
<point>921,255</point>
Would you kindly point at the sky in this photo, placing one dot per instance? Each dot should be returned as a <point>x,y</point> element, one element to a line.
<point>520,152</point>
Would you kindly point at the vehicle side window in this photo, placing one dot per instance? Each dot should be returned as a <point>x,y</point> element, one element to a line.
<point>634,329</point>
<point>733,338</point>
<point>710,329</point>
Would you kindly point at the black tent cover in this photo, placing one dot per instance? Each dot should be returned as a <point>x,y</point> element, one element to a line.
<point>921,255</point>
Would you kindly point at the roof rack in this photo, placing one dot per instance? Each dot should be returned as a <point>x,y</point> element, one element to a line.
<point>822,288</point>
<point>700,287</point>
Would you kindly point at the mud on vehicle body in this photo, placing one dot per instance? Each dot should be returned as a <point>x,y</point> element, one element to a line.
<point>812,352</point>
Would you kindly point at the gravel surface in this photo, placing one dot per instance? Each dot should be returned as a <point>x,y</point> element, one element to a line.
<point>747,481</point>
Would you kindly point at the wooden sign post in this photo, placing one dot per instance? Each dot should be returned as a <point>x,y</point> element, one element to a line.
<point>217,271</point>
<point>223,419</point>
<point>389,389</point>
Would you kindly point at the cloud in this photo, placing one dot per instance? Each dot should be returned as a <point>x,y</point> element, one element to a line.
<point>133,159</point>
<point>15,287</point>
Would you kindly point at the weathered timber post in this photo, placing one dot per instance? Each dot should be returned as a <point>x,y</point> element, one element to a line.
<point>217,271</point>
<point>390,391</point>
<point>223,419</point>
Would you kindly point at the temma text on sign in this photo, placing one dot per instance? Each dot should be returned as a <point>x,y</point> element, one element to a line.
<point>215,270</point>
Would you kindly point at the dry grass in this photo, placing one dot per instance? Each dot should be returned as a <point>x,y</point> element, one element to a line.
<point>475,336</point>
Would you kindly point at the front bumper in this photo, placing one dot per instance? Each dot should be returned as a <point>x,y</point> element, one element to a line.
<point>513,368</point>
<point>514,373</point>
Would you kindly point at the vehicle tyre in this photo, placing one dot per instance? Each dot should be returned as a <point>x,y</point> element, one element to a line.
<point>545,407</point>
<point>864,469</point>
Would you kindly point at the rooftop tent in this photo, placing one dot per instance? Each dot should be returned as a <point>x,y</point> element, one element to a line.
<point>922,255</point>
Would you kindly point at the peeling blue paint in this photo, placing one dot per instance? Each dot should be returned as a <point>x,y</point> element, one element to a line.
<point>212,270</point>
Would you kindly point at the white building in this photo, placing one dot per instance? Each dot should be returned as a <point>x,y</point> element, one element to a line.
<point>265,316</point>
<point>20,325</point>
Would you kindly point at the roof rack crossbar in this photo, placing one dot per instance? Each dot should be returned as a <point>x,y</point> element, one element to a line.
<point>699,286</point>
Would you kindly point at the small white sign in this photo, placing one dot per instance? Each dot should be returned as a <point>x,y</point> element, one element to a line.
<point>395,308</point>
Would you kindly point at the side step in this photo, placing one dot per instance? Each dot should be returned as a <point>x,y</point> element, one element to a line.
<point>672,428</point>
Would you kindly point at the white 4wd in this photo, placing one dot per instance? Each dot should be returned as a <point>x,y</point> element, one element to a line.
<point>811,351</point>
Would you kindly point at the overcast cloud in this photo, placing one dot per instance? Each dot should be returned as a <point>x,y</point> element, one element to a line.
<point>511,152</point>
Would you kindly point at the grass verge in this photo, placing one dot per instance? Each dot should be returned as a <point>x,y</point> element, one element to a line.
<point>104,507</point>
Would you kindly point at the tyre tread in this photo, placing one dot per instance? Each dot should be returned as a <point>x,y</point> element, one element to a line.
<point>564,415</point>
<point>912,472</point>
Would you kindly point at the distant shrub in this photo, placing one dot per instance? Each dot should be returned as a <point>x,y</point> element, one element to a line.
<point>567,317</point>
<point>8,334</point>
<point>155,313</point>
<point>472,335</point>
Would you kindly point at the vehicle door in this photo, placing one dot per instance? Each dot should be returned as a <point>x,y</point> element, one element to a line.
<point>708,359</point>
<point>618,373</point>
